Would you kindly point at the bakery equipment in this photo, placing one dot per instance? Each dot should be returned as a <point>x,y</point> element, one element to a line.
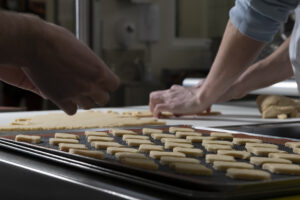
<point>57,174</point>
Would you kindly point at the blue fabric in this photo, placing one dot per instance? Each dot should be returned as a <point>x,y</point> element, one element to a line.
<point>261,19</point>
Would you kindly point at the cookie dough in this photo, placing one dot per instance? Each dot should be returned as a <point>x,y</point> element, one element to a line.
<point>81,120</point>
<point>66,136</point>
<point>88,153</point>
<point>56,141</point>
<point>275,106</point>
<point>248,174</point>
<point>33,139</point>
<point>191,168</point>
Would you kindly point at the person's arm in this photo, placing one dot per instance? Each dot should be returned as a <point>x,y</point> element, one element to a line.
<point>235,54</point>
<point>52,62</point>
<point>274,68</point>
<point>252,24</point>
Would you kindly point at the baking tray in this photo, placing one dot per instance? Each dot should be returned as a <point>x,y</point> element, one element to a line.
<point>165,180</point>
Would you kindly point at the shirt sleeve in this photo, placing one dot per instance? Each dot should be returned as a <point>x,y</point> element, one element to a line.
<point>261,19</point>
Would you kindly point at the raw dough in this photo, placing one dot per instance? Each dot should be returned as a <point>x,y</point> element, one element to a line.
<point>191,168</point>
<point>275,106</point>
<point>164,160</point>
<point>81,120</point>
<point>248,174</point>
<point>34,139</point>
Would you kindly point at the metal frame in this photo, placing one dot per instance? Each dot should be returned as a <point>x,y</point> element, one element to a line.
<point>82,19</point>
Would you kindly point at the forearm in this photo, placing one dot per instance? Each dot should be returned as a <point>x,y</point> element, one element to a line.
<point>275,68</point>
<point>17,38</point>
<point>235,54</point>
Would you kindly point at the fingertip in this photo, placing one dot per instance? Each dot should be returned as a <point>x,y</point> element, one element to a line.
<point>68,107</point>
<point>70,111</point>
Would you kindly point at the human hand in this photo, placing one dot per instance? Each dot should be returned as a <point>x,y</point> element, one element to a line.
<point>178,100</point>
<point>16,76</point>
<point>67,72</point>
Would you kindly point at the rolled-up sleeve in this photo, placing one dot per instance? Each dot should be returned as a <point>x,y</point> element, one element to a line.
<point>261,19</point>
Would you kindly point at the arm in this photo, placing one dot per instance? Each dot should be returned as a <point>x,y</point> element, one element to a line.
<point>252,23</point>
<point>262,74</point>
<point>235,54</point>
<point>51,61</point>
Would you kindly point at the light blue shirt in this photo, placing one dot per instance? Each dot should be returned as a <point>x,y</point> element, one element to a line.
<point>261,19</point>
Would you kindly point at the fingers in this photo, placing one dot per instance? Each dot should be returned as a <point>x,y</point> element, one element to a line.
<point>67,106</point>
<point>155,98</point>
<point>101,97</point>
<point>85,102</point>
<point>161,107</point>
<point>113,82</point>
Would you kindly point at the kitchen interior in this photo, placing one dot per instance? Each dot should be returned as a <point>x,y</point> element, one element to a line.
<point>150,45</point>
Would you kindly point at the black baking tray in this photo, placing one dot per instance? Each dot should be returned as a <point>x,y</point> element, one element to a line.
<point>164,180</point>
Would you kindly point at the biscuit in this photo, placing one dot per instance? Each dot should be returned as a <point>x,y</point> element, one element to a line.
<point>165,160</point>
<point>120,132</point>
<point>88,153</point>
<point>189,151</point>
<point>260,151</point>
<point>184,134</point>
<point>148,131</point>
<point>105,145</point>
<point>237,154</point>
<point>292,144</point>
<point>121,155</point>
<point>137,142</point>
<point>263,145</point>
<point>248,174</point>
<point>99,138</point>
<point>33,139</point>
<point>177,140</point>
<point>158,136</point>
<point>171,145</point>
<point>175,129</point>
<point>114,150</point>
<point>158,154</point>
<point>191,168</point>
<point>220,142</point>
<point>262,160</point>
<point>67,146</point>
<point>292,157</point>
<point>56,141</point>
<point>66,136</point>
<point>223,165</point>
<point>210,158</point>
<point>242,141</point>
<point>216,147</point>
<point>140,163</point>
<point>279,168</point>
<point>225,136</point>
<point>141,137</point>
<point>199,138</point>
<point>150,147</point>
<point>95,133</point>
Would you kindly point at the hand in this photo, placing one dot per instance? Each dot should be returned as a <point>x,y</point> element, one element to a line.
<point>178,100</point>
<point>16,76</point>
<point>67,72</point>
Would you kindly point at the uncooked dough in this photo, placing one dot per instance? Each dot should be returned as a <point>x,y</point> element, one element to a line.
<point>81,120</point>
<point>275,106</point>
